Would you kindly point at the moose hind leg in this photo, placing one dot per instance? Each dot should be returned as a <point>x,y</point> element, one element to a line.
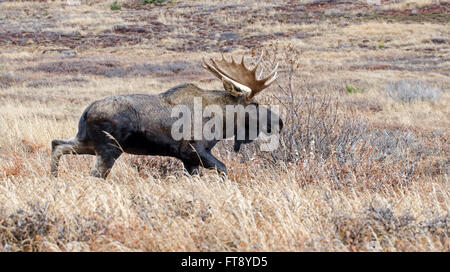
<point>62,147</point>
<point>106,157</point>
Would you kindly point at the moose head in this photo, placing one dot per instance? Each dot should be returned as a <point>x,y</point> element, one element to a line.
<point>243,84</point>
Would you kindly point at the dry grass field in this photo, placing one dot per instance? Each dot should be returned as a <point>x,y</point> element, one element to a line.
<point>363,160</point>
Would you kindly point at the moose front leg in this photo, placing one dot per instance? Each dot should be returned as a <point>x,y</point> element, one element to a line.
<point>210,162</point>
<point>191,168</point>
<point>196,155</point>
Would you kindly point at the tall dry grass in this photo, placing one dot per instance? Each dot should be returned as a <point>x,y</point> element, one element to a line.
<point>358,171</point>
<point>337,183</point>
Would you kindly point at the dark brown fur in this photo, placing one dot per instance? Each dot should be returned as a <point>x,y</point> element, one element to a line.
<point>141,124</point>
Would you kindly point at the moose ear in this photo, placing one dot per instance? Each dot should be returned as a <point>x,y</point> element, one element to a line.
<point>232,89</point>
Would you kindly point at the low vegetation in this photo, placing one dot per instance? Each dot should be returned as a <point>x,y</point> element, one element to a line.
<point>413,90</point>
<point>115,6</point>
<point>363,160</point>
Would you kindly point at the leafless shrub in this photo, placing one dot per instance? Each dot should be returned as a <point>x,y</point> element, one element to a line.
<point>76,80</point>
<point>317,133</point>
<point>313,127</point>
<point>100,67</point>
<point>81,229</point>
<point>18,231</point>
<point>379,227</point>
<point>23,230</point>
<point>147,68</point>
<point>412,90</point>
<point>110,68</point>
<point>437,225</point>
<point>7,79</point>
<point>395,143</point>
<point>140,4</point>
<point>40,83</point>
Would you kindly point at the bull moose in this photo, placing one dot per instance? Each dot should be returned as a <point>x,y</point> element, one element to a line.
<point>141,124</point>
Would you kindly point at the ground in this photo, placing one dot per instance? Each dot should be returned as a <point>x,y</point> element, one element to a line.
<point>364,156</point>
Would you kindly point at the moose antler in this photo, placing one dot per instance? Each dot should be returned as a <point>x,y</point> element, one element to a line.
<point>240,76</point>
